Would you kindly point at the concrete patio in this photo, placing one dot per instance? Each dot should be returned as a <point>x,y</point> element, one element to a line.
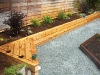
<point>62,55</point>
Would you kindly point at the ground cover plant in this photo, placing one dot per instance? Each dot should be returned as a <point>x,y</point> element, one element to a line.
<point>13,69</point>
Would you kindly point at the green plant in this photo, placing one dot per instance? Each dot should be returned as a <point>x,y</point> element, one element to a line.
<point>10,71</point>
<point>15,22</point>
<point>61,15</point>
<point>69,14</point>
<point>1,39</point>
<point>35,22</point>
<point>97,35</point>
<point>67,17</point>
<point>76,5</point>
<point>13,69</point>
<point>19,73</point>
<point>81,15</point>
<point>93,4</point>
<point>85,7</point>
<point>29,31</point>
<point>47,20</point>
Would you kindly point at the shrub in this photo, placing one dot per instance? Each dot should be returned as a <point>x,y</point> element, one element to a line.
<point>76,5</point>
<point>85,7</point>
<point>93,4</point>
<point>69,14</point>
<point>1,39</point>
<point>82,15</point>
<point>47,20</point>
<point>35,22</point>
<point>61,15</point>
<point>15,22</point>
<point>67,17</point>
<point>12,70</point>
<point>19,74</point>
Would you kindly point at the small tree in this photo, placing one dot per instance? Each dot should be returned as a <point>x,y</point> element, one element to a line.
<point>15,22</point>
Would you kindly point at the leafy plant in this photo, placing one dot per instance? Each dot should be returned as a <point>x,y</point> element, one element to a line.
<point>67,17</point>
<point>15,22</point>
<point>97,35</point>
<point>10,71</point>
<point>19,74</point>
<point>85,7</point>
<point>47,20</point>
<point>61,15</point>
<point>13,69</point>
<point>69,14</point>
<point>29,31</point>
<point>35,22</point>
<point>93,4</point>
<point>82,15</point>
<point>1,39</point>
<point>76,5</point>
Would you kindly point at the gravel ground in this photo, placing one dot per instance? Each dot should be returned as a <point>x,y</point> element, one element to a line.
<point>62,56</point>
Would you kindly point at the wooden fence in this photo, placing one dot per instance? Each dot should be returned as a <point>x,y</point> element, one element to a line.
<point>40,8</point>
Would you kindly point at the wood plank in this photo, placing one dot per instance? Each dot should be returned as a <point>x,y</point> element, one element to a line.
<point>28,49</point>
<point>11,47</point>
<point>32,46</point>
<point>16,48</point>
<point>22,47</point>
<point>4,47</point>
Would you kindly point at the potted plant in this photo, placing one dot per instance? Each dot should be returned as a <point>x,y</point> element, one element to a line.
<point>15,22</point>
<point>20,69</point>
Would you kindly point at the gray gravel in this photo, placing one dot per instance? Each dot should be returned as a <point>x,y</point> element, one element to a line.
<point>62,56</point>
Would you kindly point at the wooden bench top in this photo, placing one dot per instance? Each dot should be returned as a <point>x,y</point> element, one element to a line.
<point>24,46</point>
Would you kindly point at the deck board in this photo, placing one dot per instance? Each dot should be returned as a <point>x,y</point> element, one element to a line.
<point>28,49</point>
<point>16,47</point>
<point>25,47</point>
<point>22,47</point>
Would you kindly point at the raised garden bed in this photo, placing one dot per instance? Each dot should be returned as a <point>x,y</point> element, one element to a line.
<point>46,32</point>
<point>21,50</point>
<point>40,35</point>
<point>91,48</point>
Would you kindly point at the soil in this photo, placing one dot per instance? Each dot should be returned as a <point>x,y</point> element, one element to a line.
<point>92,48</point>
<point>7,38</point>
<point>3,63</point>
